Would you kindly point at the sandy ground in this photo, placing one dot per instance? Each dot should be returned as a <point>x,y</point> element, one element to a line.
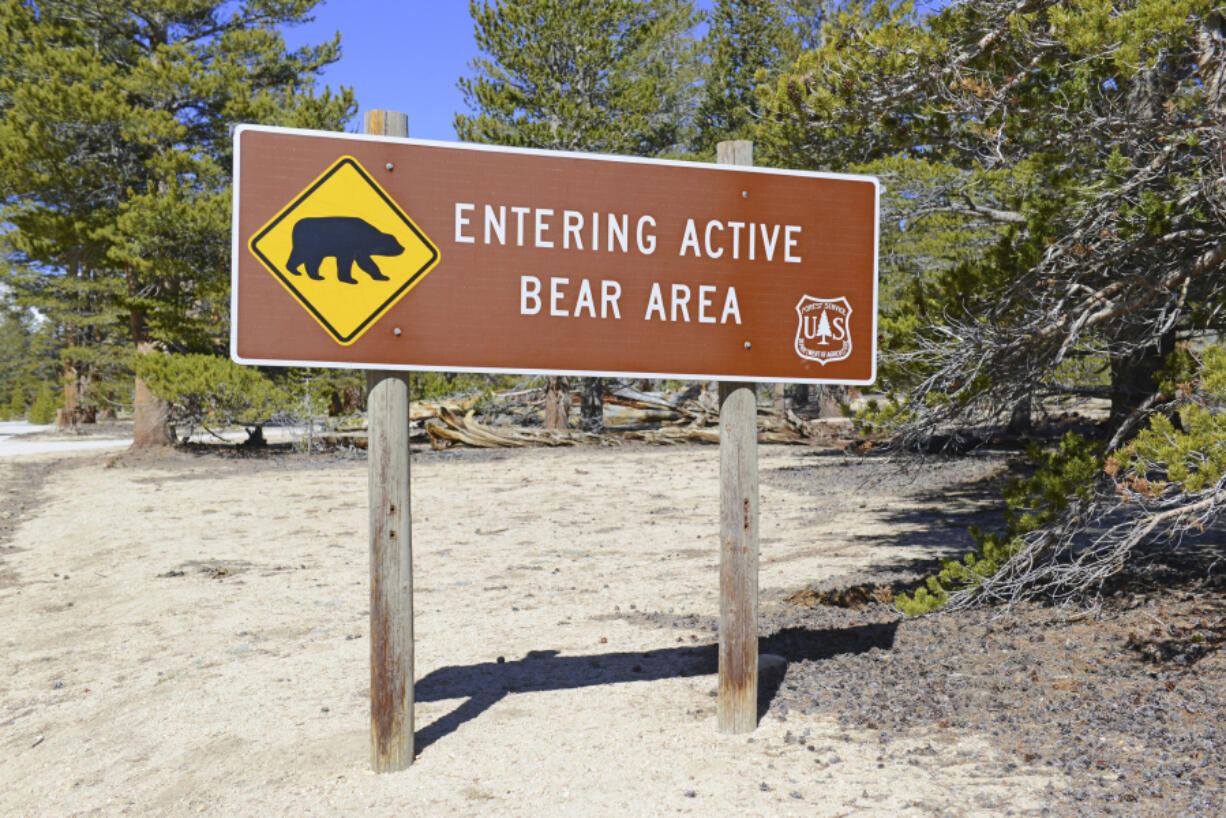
<point>188,635</point>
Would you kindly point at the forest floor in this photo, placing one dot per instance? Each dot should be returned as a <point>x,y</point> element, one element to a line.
<point>187,632</point>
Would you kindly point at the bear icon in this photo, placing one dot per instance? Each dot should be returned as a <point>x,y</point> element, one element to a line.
<point>345,238</point>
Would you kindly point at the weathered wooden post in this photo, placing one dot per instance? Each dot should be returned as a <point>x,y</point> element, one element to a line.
<point>391,546</point>
<point>737,705</point>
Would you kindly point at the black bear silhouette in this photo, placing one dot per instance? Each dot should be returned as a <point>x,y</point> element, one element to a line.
<point>347,239</point>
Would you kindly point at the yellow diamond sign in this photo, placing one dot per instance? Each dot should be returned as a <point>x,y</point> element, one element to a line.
<point>345,250</point>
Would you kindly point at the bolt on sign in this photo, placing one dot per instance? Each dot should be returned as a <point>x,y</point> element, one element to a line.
<point>384,253</point>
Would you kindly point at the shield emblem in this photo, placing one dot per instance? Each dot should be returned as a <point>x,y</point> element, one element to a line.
<point>823,329</point>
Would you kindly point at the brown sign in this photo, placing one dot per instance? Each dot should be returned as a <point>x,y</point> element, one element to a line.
<point>380,253</point>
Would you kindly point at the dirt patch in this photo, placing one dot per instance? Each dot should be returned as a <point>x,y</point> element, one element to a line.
<point>21,486</point>
<point>854,597</point>
<point>209,569</point>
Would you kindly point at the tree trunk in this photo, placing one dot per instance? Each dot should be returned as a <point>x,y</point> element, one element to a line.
<point>557,402</point>
<point>70,386</point>
<point>591,407</point>
<point>779,401</point>
<point>829,401</point>
<point>67,417</point>
<point>800,396</point>
<point>88,412</point>
<point>1134,377</point>
<point>1019,418</point>
<point>151,415</point>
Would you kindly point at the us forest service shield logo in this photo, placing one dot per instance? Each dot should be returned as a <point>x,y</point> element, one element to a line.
<point>344,250</point>
<point>823,331</point>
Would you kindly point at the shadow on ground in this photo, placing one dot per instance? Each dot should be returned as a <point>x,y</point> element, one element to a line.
<point>483,685</point>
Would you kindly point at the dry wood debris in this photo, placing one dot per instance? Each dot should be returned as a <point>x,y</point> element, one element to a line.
<point>512,420</point>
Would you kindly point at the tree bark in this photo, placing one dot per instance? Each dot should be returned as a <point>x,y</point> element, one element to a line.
<point>1019,417</point>
<point>151,415</point>
<point>591,407</point>
<point>557,402</point>
<point>67,417</point>
<point>1134,377</point>
<point>828,401</point>
<point>779,399</point>
<point>800,396</point>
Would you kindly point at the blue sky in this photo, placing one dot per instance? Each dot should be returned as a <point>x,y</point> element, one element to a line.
<point>401,55</point>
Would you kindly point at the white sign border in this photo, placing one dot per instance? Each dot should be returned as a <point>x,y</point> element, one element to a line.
<point>471,146</point>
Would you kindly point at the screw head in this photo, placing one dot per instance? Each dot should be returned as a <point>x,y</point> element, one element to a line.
<point>396,331</point>
<point>748,345</point>
<point>390,166</point>
<point>744,194</point>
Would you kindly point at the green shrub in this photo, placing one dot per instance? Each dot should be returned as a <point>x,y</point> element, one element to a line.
<point>1190,458</point>
<point>432,386</point>
<point>15,409</point>
<point>42,411</point>
<point>205,390</point>
<point>1067,472</point>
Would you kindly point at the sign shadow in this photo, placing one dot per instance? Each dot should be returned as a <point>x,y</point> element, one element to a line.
<point>484,685</point>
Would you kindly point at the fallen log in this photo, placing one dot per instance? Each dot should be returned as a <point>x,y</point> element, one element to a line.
<point>448,429</point>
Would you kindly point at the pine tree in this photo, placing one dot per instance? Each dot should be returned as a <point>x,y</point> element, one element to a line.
<point>42,411</point>
<point>807,20</point>
<point>607,77</point>
<point>15,409</point>
<point>747,43</point>
<point>29,348</point>
<point>115,159</point>
<point>1054,158</point>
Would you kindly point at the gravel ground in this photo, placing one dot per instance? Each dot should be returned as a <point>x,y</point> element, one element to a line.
<point>1126,701</point>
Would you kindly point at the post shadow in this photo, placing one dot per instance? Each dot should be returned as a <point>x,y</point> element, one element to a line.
<point>484,684</point>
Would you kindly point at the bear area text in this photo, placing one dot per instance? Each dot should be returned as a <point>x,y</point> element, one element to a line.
<point>678,303</point>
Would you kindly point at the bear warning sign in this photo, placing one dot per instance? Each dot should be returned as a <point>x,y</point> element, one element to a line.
<point>385,253</point>
<point>342,219</point>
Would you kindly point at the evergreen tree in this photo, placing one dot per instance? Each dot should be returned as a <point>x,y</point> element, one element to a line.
<point>1071,144</point>
<point>747,42</point>
<point>15,409</point>
<point>615,76</point>
<point>115,162</point>
<point>42,411</point>
<point>607,77</point>
<point>29,352</point>
<point>807,19</point>
<point>29,348</point>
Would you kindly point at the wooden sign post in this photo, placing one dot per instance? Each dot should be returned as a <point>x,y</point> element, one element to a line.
<point>737,704</point>
<point>391,546</point>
